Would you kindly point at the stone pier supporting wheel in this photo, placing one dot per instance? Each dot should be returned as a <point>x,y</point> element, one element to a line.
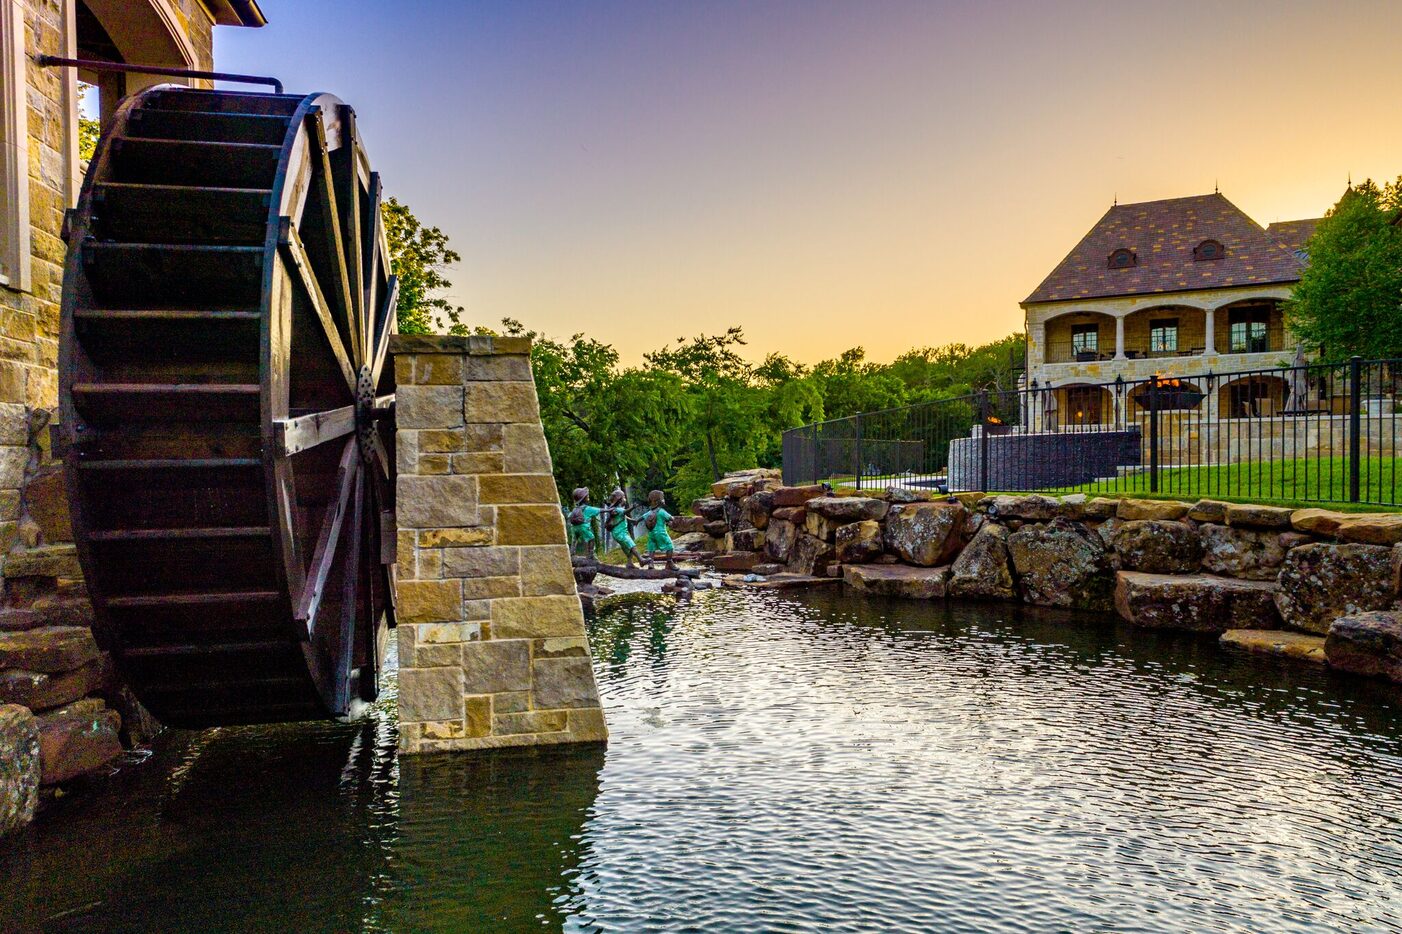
<point>226,405</point>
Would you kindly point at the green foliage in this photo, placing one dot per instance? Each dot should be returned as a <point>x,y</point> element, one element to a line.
<point>88,130</point>
<point>697,408</point>
<point>418,256</point>
<point>1349,299</point>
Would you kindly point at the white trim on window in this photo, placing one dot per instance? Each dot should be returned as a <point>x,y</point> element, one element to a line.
<point>14,150</point>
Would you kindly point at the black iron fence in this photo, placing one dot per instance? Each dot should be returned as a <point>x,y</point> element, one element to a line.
<point>1310,433</point>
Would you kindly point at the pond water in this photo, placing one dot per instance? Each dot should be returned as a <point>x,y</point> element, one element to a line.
<point>781,763</point>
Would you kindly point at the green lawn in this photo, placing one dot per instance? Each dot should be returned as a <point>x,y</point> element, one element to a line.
<point>1299,482</point>
<point>1304,481</point>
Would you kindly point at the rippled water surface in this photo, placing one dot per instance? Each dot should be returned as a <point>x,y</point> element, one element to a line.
<point>782,763</point>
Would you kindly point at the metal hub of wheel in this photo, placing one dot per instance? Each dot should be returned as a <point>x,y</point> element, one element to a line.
<point>226,405</point>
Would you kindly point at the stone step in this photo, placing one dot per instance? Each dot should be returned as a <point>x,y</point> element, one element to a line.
<point>898,580</point>
<point>1194,602</point>
<point>1279,642</point>
<point>48,649</point>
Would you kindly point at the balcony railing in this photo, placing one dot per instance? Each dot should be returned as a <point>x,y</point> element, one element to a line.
<point>1067,352</point>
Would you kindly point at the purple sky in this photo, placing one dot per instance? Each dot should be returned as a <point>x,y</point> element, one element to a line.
<point>826,174</point>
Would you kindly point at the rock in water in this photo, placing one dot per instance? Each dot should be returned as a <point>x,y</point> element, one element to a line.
<point>894,580</point>
<point>1063,564</point>
<point>981,571</point>
<point>1279,642</point>
<point>1193,602</point>
<point>1320,583</point>
<point>927,534</point>
<point>19,767</point>
<point>1245,553</point>
<point>859,542</point>
<point>1157,546</point>
<point>70,746</point>
<point>1367,644</point>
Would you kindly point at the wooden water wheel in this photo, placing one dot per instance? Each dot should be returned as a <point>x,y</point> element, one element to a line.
<point>226,405</point>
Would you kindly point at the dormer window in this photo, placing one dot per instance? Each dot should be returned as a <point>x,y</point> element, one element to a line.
<point>1123,259</point>
<point>1209,249</point>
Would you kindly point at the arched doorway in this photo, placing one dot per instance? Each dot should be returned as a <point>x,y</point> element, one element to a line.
<point>1083,404</point>
<point>1252,397</point>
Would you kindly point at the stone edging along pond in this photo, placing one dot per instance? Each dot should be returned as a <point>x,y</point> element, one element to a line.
<point>1306,583</point>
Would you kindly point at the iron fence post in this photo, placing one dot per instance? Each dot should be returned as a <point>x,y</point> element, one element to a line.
<point>983,441</point>
<point>817,467</point>
<point>1355,403</point>
<point>1154,435</point>
<point>858,448</point>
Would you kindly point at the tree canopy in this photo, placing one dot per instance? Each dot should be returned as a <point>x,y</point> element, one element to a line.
<point>419,255</point>
<point>1349,299</point>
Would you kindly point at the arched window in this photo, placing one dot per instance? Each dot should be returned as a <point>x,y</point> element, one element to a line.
<point>1209,249</point>
<point>1123,259</point>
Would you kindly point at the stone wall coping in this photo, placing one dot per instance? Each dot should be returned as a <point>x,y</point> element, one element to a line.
<point>476,345</point>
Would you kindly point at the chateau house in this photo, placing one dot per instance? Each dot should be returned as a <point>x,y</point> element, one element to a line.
<point>1175,288</point>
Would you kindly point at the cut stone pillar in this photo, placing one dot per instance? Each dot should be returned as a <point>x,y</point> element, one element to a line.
<point>492,648</point>
<point>1119,337</point>
<point>1210,345</point>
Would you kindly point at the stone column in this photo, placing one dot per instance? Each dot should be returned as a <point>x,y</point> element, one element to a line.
<point>492,648</point>
<point>1120,337</point>
<point>1210,343</point>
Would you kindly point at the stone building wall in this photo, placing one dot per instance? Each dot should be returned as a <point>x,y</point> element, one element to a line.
<point>492,647</point>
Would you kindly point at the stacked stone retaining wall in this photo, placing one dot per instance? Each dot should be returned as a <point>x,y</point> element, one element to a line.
<point>1307,583</point>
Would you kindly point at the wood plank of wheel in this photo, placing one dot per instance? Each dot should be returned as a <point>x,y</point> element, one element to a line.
<point>226,406</point>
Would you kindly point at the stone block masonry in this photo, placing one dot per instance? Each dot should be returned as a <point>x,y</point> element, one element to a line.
<point>492,648</point>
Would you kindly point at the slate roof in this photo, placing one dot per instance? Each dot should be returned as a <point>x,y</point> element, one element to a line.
<point>1293,234</point>
<point>1163,235</point>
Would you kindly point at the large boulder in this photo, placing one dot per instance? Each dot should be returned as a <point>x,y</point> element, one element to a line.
<point>77,743</point>
<point>1321,582</point>
<point>695,541</point>
<point>48,648</point>
<point>844,509</point>
<point>1321,522</point>
<point>1063,564</point>
<point>19,767</point>
<point>710,508</point>
<point>1384,529</point>
<point>1157,546</point>
<point>982,570</point>
<point>779,540</point>
<point>896,580</point>
<point>1208,510</point>
<point>1033,507</point>
<point>820,526</point>
<point>1193,602</point>
<point>1258,517</point>
<point>1366,644</point>
<point>682,525</point>
<point>1245,553</point>
<point>1101,508</point>
<point>859,542</point>
<point>795,514</point>
<point>1131,509</point>
<point>40,690</point>
<point>927,534</point>
<point>811,556</point>
<point>756,508</point>
<point>744,540</point>
<point>796,495</point>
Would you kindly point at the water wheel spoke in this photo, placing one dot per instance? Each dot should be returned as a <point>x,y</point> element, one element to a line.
<point>345,166</point>
<point>352,596</point>
<point>370,270</point>
<point>389,320</point>
<point>329,537</point>
<point>295,252</point>
<point>332,229</point>
<point>307,431</point>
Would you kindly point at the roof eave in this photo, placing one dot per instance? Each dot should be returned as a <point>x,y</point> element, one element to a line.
<point>236,13</point>
<point>1032,300</point>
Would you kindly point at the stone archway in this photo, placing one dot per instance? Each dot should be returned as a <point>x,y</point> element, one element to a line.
<point>1252,396</point>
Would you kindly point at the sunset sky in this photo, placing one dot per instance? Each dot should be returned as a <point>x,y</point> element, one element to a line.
<point>827,174</point>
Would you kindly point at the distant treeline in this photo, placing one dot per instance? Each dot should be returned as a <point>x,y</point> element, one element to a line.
<point>697,408</point>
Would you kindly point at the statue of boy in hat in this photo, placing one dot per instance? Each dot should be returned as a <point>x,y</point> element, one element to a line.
<point>616,525</point>
<point>655,520</point>
<point>579,522</point>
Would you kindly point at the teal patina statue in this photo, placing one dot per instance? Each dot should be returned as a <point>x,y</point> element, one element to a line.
<point>579,522</point>
<point>655,520</point>
<point>616,525</point>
